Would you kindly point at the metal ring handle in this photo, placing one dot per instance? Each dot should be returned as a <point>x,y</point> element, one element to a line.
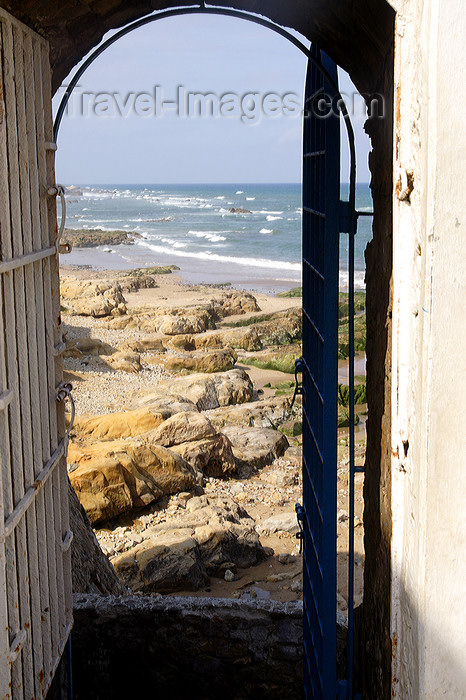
<point>61,192</point>
<point>63,393</point>
<point>53,192</point>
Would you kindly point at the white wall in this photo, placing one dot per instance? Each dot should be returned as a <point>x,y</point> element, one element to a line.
<point>429,353</point>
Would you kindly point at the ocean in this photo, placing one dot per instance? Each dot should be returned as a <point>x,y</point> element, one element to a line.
<point>192,226</point>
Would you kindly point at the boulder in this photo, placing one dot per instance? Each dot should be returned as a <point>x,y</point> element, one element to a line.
<point>93,346</point>
<point>171,562</point>
<point>111,426</point>
<point>90,298</point>
<point>281,359</point>
<point>239,210</point>
<point>145,345</point>
<point>267,413</point>
<point>133,283</point>
<point>284,522</point>
<point>235,303</point>
<point>87,346</point>
<point>119,323</point>
<point>125,362</point>
<point>186,321</point>
<point>242,338</point>
<point>255,447</point>
<point>192,436</point>
<point>233,387</point>
<point>188,342</point>
<point>204,390</point>
<point>210,532</point>
<point>112,478</point>
<point>213,456</point>
<point>283,328</point>
<point>202,361</point>
<point>165,404</point>
<point>182,427</point>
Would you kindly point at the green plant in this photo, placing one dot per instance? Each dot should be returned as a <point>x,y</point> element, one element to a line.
<point>292,293</point>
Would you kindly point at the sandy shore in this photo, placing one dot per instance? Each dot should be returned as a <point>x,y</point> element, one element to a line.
<point>192,271</point>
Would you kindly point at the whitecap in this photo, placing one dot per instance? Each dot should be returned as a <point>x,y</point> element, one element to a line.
<point>240,192</point>
<point>212,236</point>
<point>273,218</point>
<point>215,257</point>
<point>266,230</point>
<point>267,211</point>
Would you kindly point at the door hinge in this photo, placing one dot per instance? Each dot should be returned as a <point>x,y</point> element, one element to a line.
<point>298,389</point>
<point>346,216</point>
<point>300,518</point>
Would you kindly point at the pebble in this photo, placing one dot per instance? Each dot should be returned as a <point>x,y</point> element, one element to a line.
<point>229,576</point>
<point>297,586</point>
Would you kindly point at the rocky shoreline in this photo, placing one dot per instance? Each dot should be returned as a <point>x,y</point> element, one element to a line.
<point>184,452</point>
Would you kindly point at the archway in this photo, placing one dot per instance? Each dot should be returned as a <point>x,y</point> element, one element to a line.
<point>321,202</point>
<point>338,28</point>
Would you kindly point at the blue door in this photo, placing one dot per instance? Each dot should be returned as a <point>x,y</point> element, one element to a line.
<point>321,207</point>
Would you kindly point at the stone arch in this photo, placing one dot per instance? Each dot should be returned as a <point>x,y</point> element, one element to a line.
<point>358,35</point>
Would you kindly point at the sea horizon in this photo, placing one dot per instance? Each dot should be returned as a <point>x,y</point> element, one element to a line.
<point>244,234</point>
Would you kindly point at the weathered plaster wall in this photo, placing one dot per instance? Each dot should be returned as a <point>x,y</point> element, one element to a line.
<point>186,648</point>
<point>429,338</point>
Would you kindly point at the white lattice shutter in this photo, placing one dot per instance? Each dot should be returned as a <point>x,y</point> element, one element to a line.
<point>35,577</point>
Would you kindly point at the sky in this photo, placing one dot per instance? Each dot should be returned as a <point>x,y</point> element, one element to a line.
<point>120,129</point>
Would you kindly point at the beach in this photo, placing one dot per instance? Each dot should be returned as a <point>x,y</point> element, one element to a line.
<point>158,347</point>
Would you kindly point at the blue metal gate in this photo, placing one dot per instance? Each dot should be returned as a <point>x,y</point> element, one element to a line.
<point>321,197</point>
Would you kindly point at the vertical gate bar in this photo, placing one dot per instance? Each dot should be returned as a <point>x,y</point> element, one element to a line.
<point>41,74</point>
<point>59,477</point>
<point>35,318</point>
<point>5,476</point>
<point>28,329</point>
<point>351,467</point>
<point>351,242</point>
<point>5,675</point>
<point>12,592</point>
<point>33,105</point>
<point>16,357</point>
<point>6,501</point>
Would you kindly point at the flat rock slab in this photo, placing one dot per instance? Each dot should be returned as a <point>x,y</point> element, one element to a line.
<point>285,522</point>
